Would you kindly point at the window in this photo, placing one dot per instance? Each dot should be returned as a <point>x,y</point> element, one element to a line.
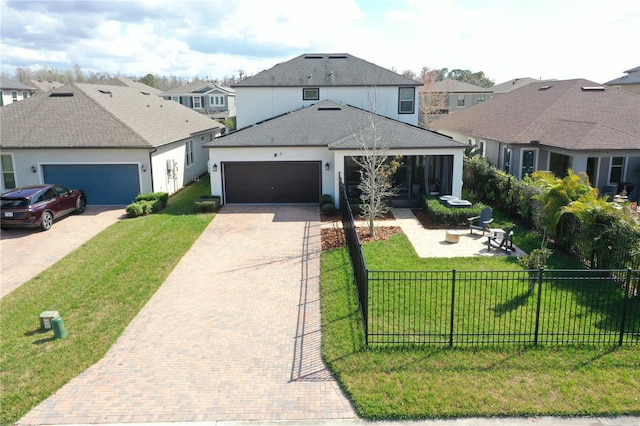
<point>8,175</point>
<point>175,99</point>
<point>406,97</point>
<point>481,98</point>
<point>481,149</point>
<point>14,96</point>
<point>559,164</point>
<point>25,95</point>
<point>506,159</point>
<point>310,94</point>
<point>189,152</point>
<point>617,166</point>
<point>592,167</point>
<point>197,102</point>
<point>460,100</point>
<point>217,100</point>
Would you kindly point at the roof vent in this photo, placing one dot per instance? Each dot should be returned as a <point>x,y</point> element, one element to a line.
<point>106,92</point>
<point>337,56</point>
<point>544,87</point>
<point>61,95</point>
<point>329,109</point>
<point>313,56</point>
<point>592,88</point>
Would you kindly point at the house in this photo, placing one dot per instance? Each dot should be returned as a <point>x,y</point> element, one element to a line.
<point>14,91</point>
<point>298,156</point>
<point>556,125</point>
<point>310,78</point>
<point>113,142</point>
<point>629,82</point>
<point>447,96</point>
<point>511,85</point>
<point>217,101</point>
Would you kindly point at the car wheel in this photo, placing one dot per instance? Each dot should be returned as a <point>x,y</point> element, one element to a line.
<point>81,205</point>
<point>47,221</point>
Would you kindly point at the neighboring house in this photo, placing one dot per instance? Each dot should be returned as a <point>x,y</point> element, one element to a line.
<point>135,84</point>
<point>112,142</point>
<point>216,101</point>
<point>45,86</point>
<point>557,126</point>
<point>511,85</point>
<point>629,82</point>
<point>447,96</point>
<point>311,78</point>
<point>14,91</point>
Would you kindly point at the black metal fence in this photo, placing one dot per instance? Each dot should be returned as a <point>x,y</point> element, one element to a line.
<point>493,307</point>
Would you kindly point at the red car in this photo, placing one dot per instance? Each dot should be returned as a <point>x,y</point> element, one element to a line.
<point>39,205</point>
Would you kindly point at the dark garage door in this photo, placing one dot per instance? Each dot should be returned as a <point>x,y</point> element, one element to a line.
<point>272,182</point>
<point>104,184</point>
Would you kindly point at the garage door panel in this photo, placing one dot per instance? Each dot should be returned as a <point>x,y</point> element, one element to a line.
<point>104,184</point>
<point>272,182</point>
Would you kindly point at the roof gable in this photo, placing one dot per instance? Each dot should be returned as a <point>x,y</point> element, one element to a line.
<point>571,114</point>
<point>335,69</point>
<point>632,77</point>
<point>333,125</point>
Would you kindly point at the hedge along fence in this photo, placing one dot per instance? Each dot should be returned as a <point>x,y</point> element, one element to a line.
<point>609,243</point>
<point>451,216</point>
<point>147,203</point>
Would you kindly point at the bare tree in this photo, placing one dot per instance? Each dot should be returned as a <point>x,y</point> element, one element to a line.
<point>376,170</point>
<point>433,101</point>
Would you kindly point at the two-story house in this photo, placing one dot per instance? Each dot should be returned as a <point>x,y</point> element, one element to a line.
<point>14,91</point>
<point>218,102</point>
<point>302,123</point>
<point>629,82</point>
<point>556,125</point>
<point>447,96</point>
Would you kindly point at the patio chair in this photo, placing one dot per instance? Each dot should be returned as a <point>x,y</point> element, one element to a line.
<point>502,241</point>
<point>481,223</point>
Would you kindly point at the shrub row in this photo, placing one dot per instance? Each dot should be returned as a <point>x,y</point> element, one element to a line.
<point>207,204</point>
<point>148,203</point>
<point>440,213</point>
<point>327,206</point>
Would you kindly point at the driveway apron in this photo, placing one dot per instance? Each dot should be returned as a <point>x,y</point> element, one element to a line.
<point>232,334</point>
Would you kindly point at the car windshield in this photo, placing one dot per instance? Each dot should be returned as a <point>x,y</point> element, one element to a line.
<point>15,203</point>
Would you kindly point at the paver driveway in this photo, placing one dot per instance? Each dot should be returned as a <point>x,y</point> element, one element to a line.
<point>24,253</point>
<point>232,334</point>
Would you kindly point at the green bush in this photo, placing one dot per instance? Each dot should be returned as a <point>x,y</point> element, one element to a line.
<point>329,209</point>
<point>161,197</point>
<point>453,216</point>
<point>326,199</point>
<point>207,205</point>
<point>134,210</point>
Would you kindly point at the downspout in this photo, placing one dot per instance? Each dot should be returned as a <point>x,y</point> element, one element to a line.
<point>151,167</point>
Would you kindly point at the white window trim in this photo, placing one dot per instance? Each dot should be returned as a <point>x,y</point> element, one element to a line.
<point>535,162</point>
<point>189,160</point>
<point>310,98</point>
<point>13,165</point>
<point>400,100</point>
<point>622,169</point>
<point>199,98</point>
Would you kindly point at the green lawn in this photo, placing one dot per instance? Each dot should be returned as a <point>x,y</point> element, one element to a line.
<point>433,382</point>
<point>97,289</point>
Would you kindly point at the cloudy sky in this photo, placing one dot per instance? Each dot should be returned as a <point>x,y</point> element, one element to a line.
<point>593,39</point>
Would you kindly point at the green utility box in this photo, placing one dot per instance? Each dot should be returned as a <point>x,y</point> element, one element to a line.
<point>45,319</point>
<point>59,332</point>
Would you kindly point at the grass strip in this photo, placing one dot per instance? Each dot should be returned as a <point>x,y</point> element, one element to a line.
<point>436,382</point>
<point>97,289</point>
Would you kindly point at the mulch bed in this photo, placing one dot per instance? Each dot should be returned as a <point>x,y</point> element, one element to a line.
<point>333,238</point>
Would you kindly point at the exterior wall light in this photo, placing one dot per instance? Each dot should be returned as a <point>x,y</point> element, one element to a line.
<point>143,167</point>
<point>33,169</point>
<point>327,166</point>
<point>214,167</point>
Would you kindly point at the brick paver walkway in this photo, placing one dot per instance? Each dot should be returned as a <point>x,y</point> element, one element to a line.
<point>233,334</point>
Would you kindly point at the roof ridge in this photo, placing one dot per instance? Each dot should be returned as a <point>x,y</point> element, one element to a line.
<point>112,115</point>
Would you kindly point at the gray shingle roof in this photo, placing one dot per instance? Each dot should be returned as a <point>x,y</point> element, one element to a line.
<point>557,113</point>
<point>448,85</point>
<point>198,86</point>
<point>321,70</point>
<point>333,125</point>
<point>98,116</point>
<point>6,83</point>
<point>632,77</point>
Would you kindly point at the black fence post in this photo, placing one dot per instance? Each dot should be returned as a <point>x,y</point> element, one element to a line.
<point>538,308</point>
<point>365,307</point>
<point>453,305</point>
<point>625,302</point>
